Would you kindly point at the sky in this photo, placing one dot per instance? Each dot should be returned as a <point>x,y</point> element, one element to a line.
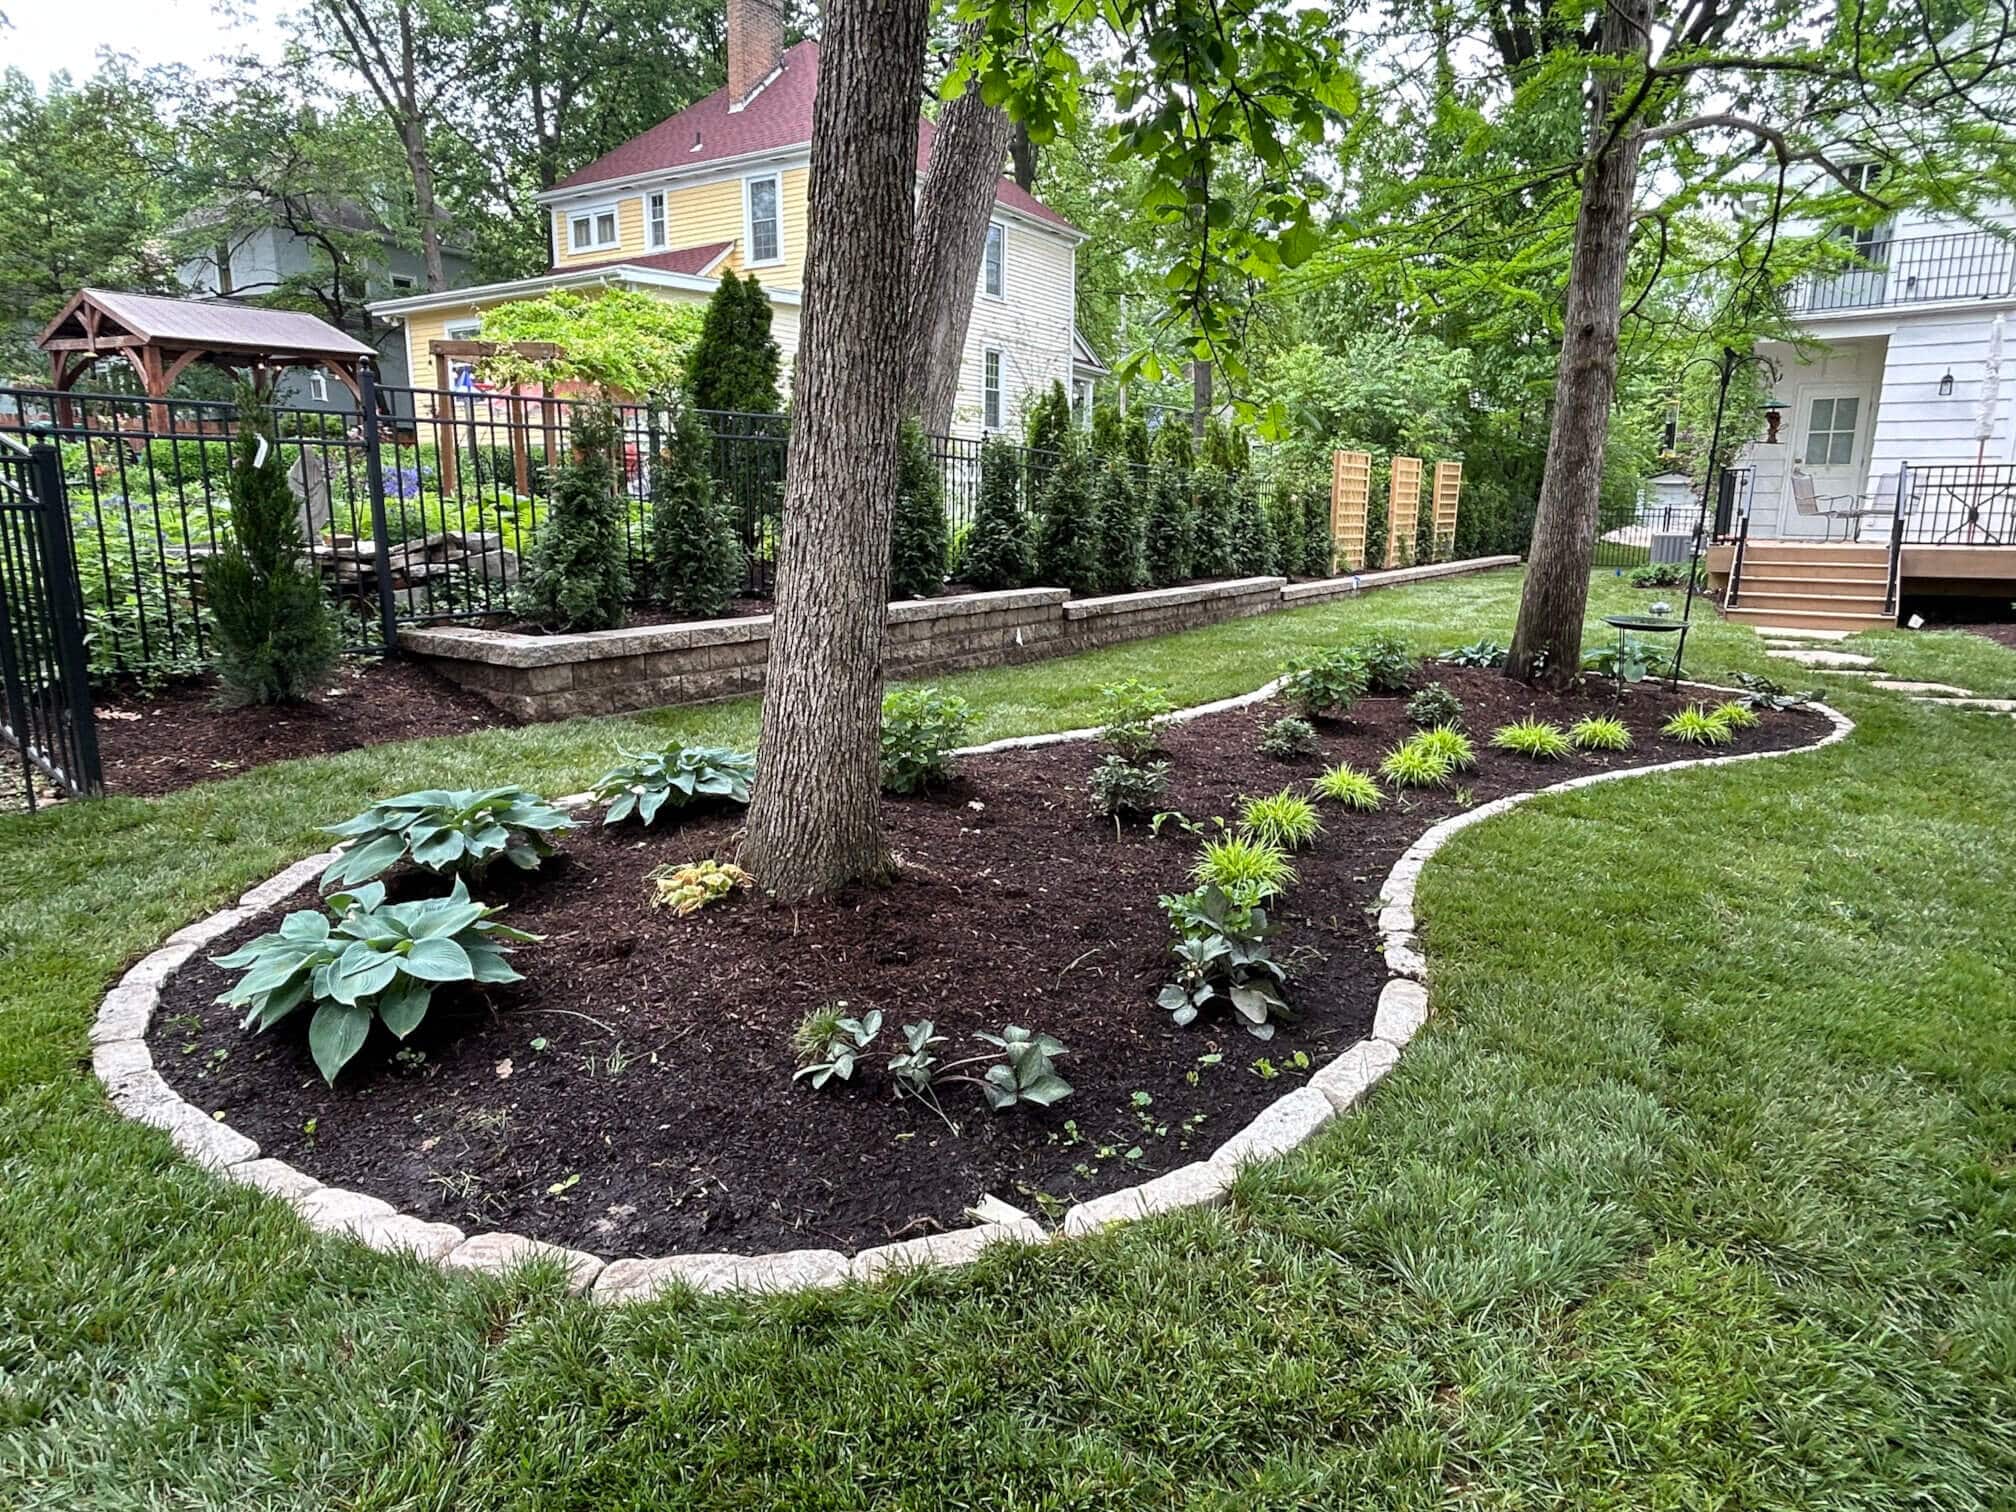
<point>48,36</point>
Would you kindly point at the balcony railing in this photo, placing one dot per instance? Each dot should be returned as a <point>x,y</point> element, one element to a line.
<point>1916,270</point>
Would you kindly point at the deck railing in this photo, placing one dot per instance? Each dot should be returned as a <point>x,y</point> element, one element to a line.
<point>1914,270</point>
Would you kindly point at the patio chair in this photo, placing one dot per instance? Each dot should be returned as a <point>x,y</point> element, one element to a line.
<point>1808,501</point>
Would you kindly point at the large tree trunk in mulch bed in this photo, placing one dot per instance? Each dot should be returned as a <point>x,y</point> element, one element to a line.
<point>635,1093</point>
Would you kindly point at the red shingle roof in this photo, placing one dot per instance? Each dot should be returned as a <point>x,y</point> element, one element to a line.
<point>777,116</point>
<point>694,260</point>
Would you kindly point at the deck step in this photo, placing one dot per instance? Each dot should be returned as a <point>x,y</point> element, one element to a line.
<point>1807,619</point>
<point>1816,603</point>
<point>1789,580</point>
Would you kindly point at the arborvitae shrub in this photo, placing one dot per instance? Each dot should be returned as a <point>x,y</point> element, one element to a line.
<point>1134,440</point>
<point>1120,563</point>
<point>276,632</point>
<point>1213,503</point>
<point>1172,445</point>
<point>1225,447</point>
<point>917,538</point>
<point>1066,537</point>
<point>997,550</point>
<point>1171,527</point>
<point>1049,426</point>
<point>1253,553</point>
<point>734,364</point>
<point>579,578</point>
<point>696,550</point>
<point>1108,432</point>
<point>1315,535</point>
<point>1284,524</point>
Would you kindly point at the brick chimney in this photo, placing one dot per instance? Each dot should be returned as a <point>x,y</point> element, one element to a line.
<point>755,46</point>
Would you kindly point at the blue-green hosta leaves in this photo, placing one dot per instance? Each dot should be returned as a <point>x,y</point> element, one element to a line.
<point>648,780</point>
<point>373,960</point>
<point>446,832</point>
<point>1025,1074</point>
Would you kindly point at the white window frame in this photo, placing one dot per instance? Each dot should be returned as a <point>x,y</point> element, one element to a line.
<point>657,223</point>
<point>1082,393</point>
<point>405,281</point>
<point>592,214</point>
<point>1833,398</point>
<point>994,262</point>
<point>468,328</point>
<point>318,385</point>
<point>749,257</point>
<point>993,373</point>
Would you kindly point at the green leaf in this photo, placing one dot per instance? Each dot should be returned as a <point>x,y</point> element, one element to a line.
<point>446,920</point>
<point>336,1033</point>
<point>362,862</point>
<point>436,960</point>
<point>403,1005</point>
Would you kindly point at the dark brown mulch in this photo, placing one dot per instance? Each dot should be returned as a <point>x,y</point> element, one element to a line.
<point>184,734</point>
<point>2002,633</point>
<point>635,1093</point>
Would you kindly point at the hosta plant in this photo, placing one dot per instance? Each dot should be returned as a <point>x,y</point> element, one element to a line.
<point>1434,705</point>
<point>443,831</point>
<point>1736,714</point>
<point>1697,726</point>
<point>1324,683</point>
<point>1222,953</point>
<point>1025,1073</point>
<point>1245,867</point>
<point>374,960</point>
<point>1347,785</point>
<point>921,727</point>
<point>1119,787</point>
<point>1627,661</point>
<point>1600,733</point>
<point>1537,739</point>
<point>1450,742</point>
<point>688,889</point>
<point>1021,1068</point>
<point>829,1042</point>
<point>1762,692</point>
<point>1412,764</point>
<point>1288,738</point>
<point>1129,711</point>
<point>646,781</point>
<point>1482,653</point>
<point>1285,819</point>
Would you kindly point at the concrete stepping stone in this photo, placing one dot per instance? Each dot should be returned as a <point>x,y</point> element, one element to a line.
<point>1801,633</point>
<point>1824,658</point>
<point>1994,705</point>
<point>1893,685</point>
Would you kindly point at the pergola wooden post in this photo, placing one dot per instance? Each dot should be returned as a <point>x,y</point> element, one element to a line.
<point>1403,509</point>
<point>1448,490</point>
<point>445,352</point>
<point>1350,499</point>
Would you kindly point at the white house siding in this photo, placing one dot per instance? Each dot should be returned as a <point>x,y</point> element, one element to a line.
<point>1030,323</point>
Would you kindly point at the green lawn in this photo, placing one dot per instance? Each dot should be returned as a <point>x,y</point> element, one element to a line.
<point>1699,1192</point>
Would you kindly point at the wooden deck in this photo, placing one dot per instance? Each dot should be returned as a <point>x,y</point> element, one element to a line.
<point>1841,585</point>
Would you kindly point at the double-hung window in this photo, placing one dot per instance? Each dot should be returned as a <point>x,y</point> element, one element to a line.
<point>765,220</point>
<point>655,231</point>
<point>991,265</point>
<point>990,389</point>
<point>592,229</point>
<point>1830,432</point>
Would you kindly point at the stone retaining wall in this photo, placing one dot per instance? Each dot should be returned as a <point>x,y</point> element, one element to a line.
<point>612,671</point>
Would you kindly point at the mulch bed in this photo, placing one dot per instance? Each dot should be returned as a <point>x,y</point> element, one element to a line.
<point>184,734</point>
<point>635,1096</point>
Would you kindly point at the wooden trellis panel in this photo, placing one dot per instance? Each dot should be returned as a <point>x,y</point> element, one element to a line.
<point>1448,489</point>
<point>1350,496</point>
<point>1403,510</point>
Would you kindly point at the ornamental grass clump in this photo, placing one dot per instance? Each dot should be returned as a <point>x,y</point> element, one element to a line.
<point>644,782</point>
<point>1288,738</point>
<point>1412,764</point>
<point>1347,785</point>
<point>1285,819</point>
<point>1245,867</point>
<point>1600,733</point>
<point>1536,739</point>
<point>442,831</point>
<point>921,727</point>
<point>1697,726</point>
<point>1736,714</point>
<point>1450,742</point>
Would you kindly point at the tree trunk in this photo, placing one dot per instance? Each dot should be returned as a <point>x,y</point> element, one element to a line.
<point>413,136</point>
<point>815,818</point>
<point>1547,645</point>
<point>954,208</point>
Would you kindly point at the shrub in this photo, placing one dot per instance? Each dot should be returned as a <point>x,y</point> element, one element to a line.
<point>1325,682</point>
<point>1600,733</point>
<point>1412,764</point>
<point>1171,445</point>
<point>381,960</point>
<point>578,579</point>
<point>276,634</point>
<point>735,363</point>
<point>645,781</point>
<point>1315,546</point>
<point>1254,551</point>
<point>1170,524</point>
<point>921,727</point>
<point>1222,952</point>
<point>1767,693</point>
<point>1451,742</point>
<point>1435,705</point>
<point>1534,738</point>
<point>1120,559</point>
<point>1482,653</point>
<point>1658,575</point>
<point>1245,867</point>
<point>1120,786</point>
<point>1628,660</point>
<point>1130,710</point>
<point>696,551</point>
<point>997,552</point>
<point>829,1042</point>
<point>1285,819</point>
<point>917,534</point>
<point>1050,433</point>
<point>1736,714</point>
<point>689,888</point>
<point>1389,664</point>
<point>1065,539</point>
<point>1212,505</point>
<point>1346,785</point>
<point>442,831</point>
<point>1288,738</point>
<point>1697,726</point>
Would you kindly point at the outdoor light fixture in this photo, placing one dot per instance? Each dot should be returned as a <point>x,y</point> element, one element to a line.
<point>1946,385</point>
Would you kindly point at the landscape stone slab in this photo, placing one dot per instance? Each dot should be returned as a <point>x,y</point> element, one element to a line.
<point>1402,1010</point>
<point>1279,1128</point>
<point>959,1247</point>
<point>1894,685</point>
<point>125,1013</point>
<point>276,1178</point>
<point>207,1142</point>
<point>1203,1183</point>
<point>498,1253</point>
<point>1824,658</point>
<point>336,1210</point>
<point>115,1061</point>
<point>1998,705</point>
<point>1351,1076</point>
<point>403,1235</point>
<point>991,1209</point>
<point>787,1270</point>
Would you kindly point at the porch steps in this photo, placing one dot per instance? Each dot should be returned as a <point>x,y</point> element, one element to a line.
<point>1813,585</point>
<point>1770,619</point>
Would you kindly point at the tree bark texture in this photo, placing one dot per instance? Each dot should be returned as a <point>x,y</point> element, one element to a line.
<point>954,208</point>
<point>815,817</point>
<point>1547,645</point>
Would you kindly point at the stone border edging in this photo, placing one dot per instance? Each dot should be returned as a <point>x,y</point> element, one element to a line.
<point>124,1065</point>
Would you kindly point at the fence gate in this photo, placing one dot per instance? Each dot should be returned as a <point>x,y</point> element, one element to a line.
<point>48,739</point>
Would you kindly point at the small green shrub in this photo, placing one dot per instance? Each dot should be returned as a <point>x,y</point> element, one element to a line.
<point>1285,819</point>
<point>1122,787</point>
<point>1658,575</point>
<point>1119,553</point>
<point>1288,738</point>
<point>691,887</point>
<point>1347,785</point>
<point>579,578</point>
<point>1222,953</point>
<point>1534,738</point>
<point>645,781</point>
<point>1246,868</point>
<point>997,552</point>
<point>1388,662</point>
<point>1435,705</point>
<point>1326,683</point>
<point>921,727</point>
<point>1483,653</point>
<point>1600,733</point>
<point>1697,726</point>
<point>1736,714</point>
<point>1170,526</point>
<point>829,1042</point>
<point>1065,540</point>
<point>1768,693</point>
<point>917,537</point>
<point>1128,711</point>
<point>380,961</point>
<point>1451,743</point>
<point>442,831</point>
<point>696,551</point>
<point>1412,764</point>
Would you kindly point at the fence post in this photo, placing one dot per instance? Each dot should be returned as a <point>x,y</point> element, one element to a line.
<point>374,483</point>
<point>66,615</point>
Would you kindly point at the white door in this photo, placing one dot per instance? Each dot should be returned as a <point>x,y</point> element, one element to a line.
<point>1832,444</point>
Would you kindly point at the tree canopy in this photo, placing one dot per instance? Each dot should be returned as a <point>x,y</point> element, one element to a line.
<point>622,340</point>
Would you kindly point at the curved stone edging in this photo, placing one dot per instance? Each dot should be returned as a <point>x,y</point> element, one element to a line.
<point>125,1067</point>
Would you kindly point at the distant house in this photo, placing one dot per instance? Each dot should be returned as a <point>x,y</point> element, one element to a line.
<point>258,262</point>
<point>722,185</point>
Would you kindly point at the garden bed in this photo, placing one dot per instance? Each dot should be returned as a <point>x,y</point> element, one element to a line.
<point>634,1095</point>
<point>180,735</point>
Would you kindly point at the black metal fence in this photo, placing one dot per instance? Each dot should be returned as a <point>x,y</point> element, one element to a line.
<point>1653,528</point>
<point>47,734</point>
<point>1956,503</point>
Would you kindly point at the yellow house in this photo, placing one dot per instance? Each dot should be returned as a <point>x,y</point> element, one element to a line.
<point>722,185</point>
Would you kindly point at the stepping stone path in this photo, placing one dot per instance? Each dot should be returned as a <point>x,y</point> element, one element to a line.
<point>1795,645</point>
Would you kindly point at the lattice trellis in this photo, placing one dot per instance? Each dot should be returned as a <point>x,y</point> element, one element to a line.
<point>1350,498</point>
<point>1448,489</point>
<point>1403,510</point>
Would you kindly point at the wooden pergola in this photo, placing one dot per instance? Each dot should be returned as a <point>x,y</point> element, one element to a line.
<point>161,338</point>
